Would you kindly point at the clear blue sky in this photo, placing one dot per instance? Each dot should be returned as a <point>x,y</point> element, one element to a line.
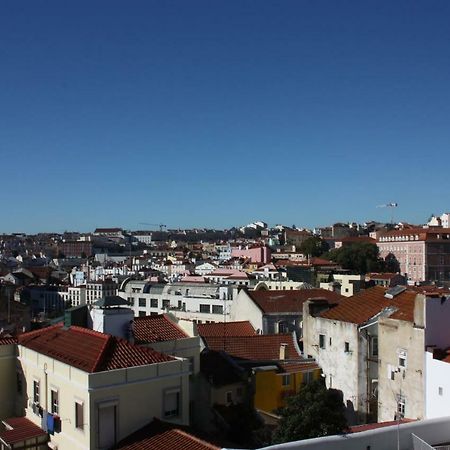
<point>217,113</point>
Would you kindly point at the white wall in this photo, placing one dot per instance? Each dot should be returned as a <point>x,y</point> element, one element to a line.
<point>437,376</point>
<point>243,308</point>
<point>342,370</point>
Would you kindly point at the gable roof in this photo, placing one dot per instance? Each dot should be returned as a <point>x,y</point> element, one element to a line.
<point>368,303</point>
<point>160,328</point>
<point>240,328</point>
<point>89,350</point>
<point>290,301</point>
<point>261,347</point>
<point>159,435</point>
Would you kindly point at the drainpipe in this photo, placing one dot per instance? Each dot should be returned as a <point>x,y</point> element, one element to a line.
<point>46,386</point>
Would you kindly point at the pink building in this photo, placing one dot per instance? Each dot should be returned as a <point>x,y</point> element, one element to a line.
<point>257,254</point>
<point>423,253</point>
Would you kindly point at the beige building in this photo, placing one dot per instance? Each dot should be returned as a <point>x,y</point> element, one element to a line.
<point>89,390</point>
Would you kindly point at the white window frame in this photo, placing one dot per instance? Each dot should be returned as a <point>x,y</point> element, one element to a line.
<point>36,393</point>
<point>172,413</point>
<point>79,426</point>
<point>402,356</point>
<point>54,405</point>
<point>401,405</point>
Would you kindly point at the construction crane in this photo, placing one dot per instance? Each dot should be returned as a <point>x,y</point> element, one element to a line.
<point>160,225</point>
<point>391,205</point>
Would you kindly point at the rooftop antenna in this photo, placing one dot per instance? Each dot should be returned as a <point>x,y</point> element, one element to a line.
<point>391,205</point>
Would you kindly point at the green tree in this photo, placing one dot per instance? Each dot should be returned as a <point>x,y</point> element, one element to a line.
<point>358,257</point>
<point>314,246</point>
<point>315,411</point>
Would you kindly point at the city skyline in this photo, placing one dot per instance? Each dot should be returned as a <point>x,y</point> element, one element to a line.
<point>197,115</point>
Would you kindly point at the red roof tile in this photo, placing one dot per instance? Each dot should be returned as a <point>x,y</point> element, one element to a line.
<point>8,341</point>
<point>243,328</point>
<point>290,301</point>
<point>89,350</point>
<point>303,366</point>
<point>374,426</point>
<point>158,328</point>
<point>366,304</point>
<point>381,276</point>
<point>162,436</point>
<point>20,430</point>
<point>261,347</point>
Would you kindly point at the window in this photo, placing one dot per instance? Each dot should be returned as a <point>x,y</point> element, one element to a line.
<point>172,403</point>
<point>36,391</point>
<point>19,383</point>
<point>307,377</point>
<point>286,379</point>
<point>401,405</point>
<point>229,397</point>
<point>217,309</point>
<point>321,340</point>
<point>347,347</point>
<point>441,390</point>
<point>142,302</point>
<point>205,308</point>
<point>154,302</point>
<point>402,358</point>
<point>330,342</point>
<point>165,304</point>
<point>239,392</point>
<point>54,401</point>
<point>79,419</point>
<point>374,346</point>
<point>142,314</point>
<point>282,327</point>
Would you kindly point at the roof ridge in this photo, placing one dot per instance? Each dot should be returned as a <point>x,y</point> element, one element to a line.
<point>102,353</point>
<point>166,317</point>
<point>31,334</point>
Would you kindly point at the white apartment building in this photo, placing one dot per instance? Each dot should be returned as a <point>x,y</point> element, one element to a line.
<point>201,302</point>
<point>89,390</point>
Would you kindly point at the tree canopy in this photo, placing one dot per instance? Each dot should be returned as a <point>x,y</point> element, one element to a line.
<point>315,411</point>
<point>361,257</point>
<point>314,246</point>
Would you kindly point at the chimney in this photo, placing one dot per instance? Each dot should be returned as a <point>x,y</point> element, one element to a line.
<point>283,348</point>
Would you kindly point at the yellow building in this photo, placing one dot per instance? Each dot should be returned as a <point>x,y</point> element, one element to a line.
<point>275,383</point>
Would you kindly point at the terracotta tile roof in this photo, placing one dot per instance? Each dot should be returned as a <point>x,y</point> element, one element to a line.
<point>381,276</point>
<point>261,347</point>
<point>89,350</point>
<point>290,301</point>
<point>295,367</point>
<point>220,369</point>
<point>158,328</point>
<point>21,429</point>
<point>431,290</point>
<point>242,328</point>
<point>160,435</point>
<point>357,239</point>
<point>366,304</point>
<point>7,340</point>
<point>374,426</point>
<point>424,234</point>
